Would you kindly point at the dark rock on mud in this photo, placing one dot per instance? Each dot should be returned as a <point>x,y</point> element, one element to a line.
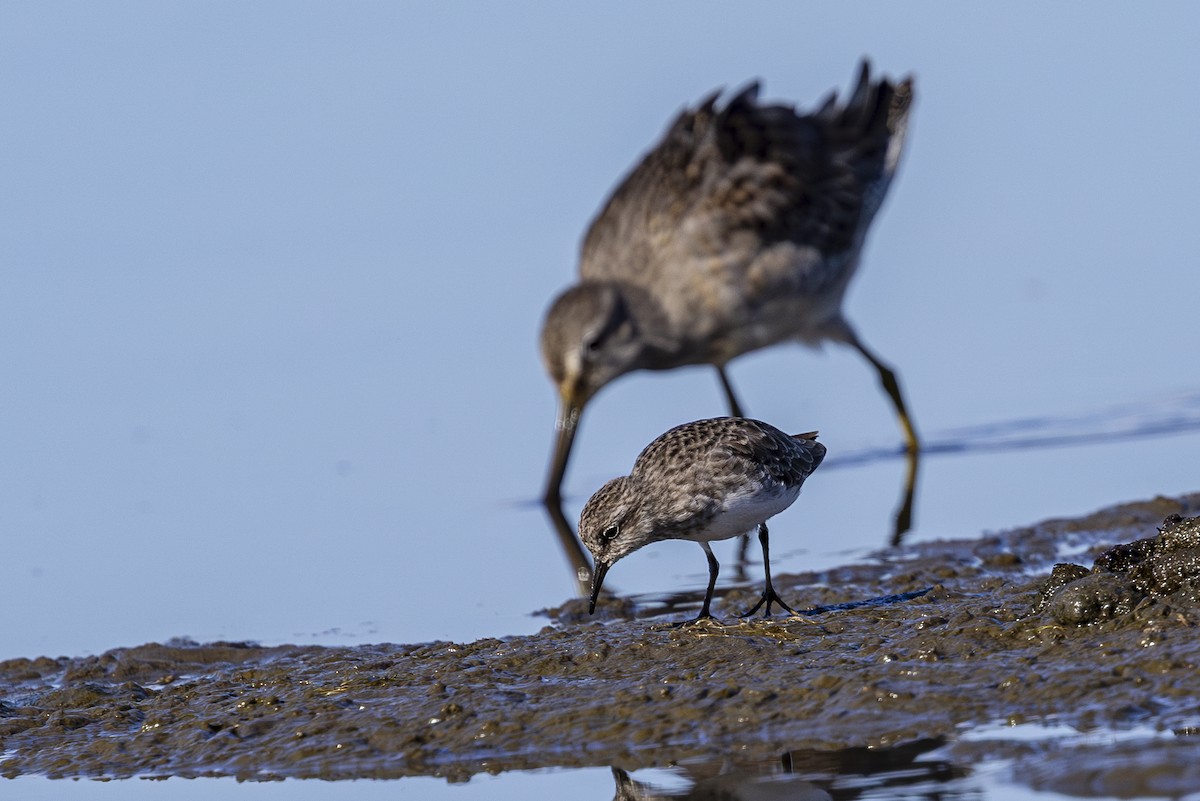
<point>962,648</point>
<point>1125,577</point>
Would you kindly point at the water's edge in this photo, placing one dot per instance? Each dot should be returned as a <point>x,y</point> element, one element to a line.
<point>967,652</point>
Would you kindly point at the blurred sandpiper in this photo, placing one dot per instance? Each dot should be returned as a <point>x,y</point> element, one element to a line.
<point>740,229</point>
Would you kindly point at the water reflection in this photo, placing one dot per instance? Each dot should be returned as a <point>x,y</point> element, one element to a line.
<point>572,548</point>
<point>808,775</point>
<point>1174,414</point>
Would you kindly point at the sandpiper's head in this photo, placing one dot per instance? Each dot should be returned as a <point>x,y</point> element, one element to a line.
<point>588,338</point>
<point>612,526</point>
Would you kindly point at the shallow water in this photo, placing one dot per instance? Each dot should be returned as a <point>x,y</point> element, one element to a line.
<point>886,698</point>
<point>935,776</point>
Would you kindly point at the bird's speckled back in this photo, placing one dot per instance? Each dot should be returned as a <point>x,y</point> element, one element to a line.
<point>685,479</point>
<point>725,449</point>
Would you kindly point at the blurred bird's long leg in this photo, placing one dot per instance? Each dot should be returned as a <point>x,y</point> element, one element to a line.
<point>887,378</point>
<point>769,595</point>
<point>565,426</point>
<point>735,408</point>
<point>891,385</point>
<point>743,557</point>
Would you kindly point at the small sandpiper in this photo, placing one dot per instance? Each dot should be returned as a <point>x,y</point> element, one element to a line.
<point>702,481</point>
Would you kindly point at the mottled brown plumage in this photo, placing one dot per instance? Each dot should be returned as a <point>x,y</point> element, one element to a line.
<point>740,229</point>
<point>702,481</point>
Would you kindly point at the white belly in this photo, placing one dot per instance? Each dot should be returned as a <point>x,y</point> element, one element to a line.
<point>742,512</point>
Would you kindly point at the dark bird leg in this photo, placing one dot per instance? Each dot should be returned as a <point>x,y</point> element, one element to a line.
<point>769,595</point>
<point>887,378</point>
<point>713,569</point>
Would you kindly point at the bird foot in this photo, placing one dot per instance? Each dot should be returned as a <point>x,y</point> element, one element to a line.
<point>770,597</point>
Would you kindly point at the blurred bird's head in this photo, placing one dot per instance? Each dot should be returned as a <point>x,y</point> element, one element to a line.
<point>589,338</point>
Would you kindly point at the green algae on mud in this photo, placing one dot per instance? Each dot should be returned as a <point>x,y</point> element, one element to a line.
<point>978,647</point>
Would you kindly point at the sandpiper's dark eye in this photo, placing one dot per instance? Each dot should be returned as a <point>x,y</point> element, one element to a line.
<point>609,534</point>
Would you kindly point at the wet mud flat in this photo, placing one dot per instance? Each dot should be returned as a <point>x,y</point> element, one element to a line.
<point>903,654</point>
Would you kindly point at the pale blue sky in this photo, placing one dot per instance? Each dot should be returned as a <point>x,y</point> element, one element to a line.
<point>273,276</point>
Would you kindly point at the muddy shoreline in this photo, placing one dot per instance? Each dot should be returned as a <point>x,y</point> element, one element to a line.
<point>970,651</point>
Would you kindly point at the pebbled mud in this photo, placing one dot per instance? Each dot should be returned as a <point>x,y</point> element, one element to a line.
<point>913,647</point>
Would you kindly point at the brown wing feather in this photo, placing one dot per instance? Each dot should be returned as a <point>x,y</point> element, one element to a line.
<point>651,200</point>
<point>813,179</point>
